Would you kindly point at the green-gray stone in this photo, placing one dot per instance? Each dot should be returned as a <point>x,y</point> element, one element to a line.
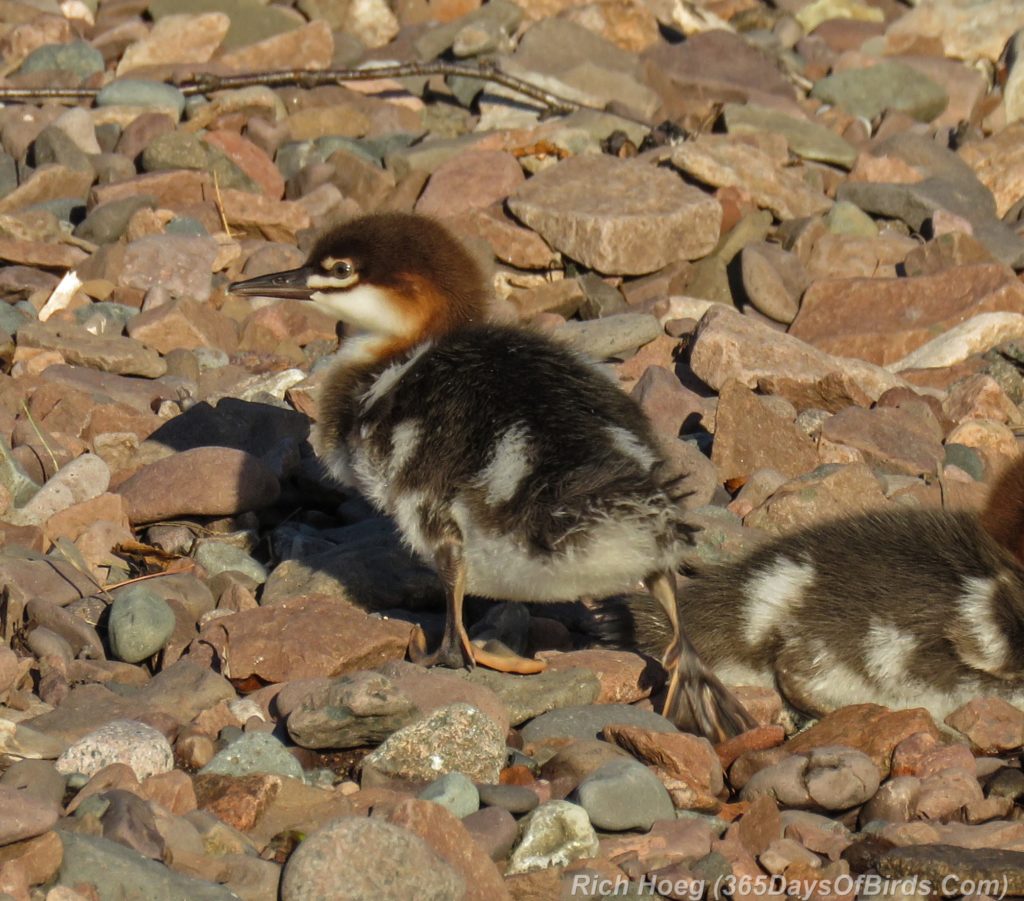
<point>529,696</point>
<point>53,145</point>
<point>186,225</point>
<point>13,478</point>
<point>806,139</point>
<point>846,218</point>
<point>254,752</point>
<point>140,623</point>
<point>137,92</point>
<point>78,57</point>
<point>121,874</point>
<point>887,85</point>
<point>624,794</point>
<point>8,173</point>
<point>438,40</point>
<point>455,792</point>
<point>106,223</point>
<point>967,459</point>
<point>219,556</point>
<point>182,150</point>
<point>116,314</point>
<point>13,318</point>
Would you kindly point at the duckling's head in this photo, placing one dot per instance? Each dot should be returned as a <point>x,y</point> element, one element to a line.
<point>396,277</point>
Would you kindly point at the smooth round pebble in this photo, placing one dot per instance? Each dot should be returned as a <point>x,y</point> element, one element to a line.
<point>513,798</point>
<point>555,834</point>
<point>455,793</point>
<point>359,858</point>
<point>137,92</point>
<point>624,794</point>
<point>140,623</point>
<point>219,556</point>
<point>254,752</point>
<point>142,747</point>
<point>23,816</point>
<point>77,57</point>
<point>493,829</point>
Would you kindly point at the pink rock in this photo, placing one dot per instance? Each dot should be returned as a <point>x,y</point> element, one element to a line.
<point>250,159</point>
<point>470,181</point>
<point>992,724</point>
<point>625,677</point>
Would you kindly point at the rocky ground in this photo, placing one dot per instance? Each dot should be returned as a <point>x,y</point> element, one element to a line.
<point>806,278</point>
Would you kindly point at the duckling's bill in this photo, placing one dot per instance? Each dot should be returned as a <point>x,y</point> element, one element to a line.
<point>292,284</point>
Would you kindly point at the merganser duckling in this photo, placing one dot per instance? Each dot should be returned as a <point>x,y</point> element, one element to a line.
<point>512,465</point>
<point>903,608</point>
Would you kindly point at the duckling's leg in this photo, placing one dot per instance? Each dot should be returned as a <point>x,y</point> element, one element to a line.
<point>696,698</point>
<point>455,650</point>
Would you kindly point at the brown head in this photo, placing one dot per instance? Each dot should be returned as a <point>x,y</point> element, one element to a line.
<point>396,277</point>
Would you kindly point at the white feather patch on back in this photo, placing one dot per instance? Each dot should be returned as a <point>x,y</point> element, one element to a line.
<point>510,463</point>
<point>629,445</point>
<point>991,651</point>
<point>391,376</point>
<point>773,593</point>
<point>887,648</point>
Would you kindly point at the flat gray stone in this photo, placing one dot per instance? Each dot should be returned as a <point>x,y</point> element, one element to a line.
<point>806,139</point>
<point>615,336</point>
<point>587,722</point>
<point>140,623</point>
<point>121,874</point>
<point>529,696</point>
<point>622,217</point>
<point>455,793</point>
<point>254,752</point>
<point>77,57</point>
<point>137,92</point>
<point>624,794</point>
<point>886,86</point>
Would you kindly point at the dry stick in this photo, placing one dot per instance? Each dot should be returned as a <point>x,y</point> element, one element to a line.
<point>207,82</point>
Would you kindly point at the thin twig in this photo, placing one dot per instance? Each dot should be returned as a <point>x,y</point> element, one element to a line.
<point>40,435</point>
<point>208,82</point>
<point>220,206</point>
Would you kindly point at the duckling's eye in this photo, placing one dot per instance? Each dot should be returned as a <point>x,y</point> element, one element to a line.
<point>341,269</point>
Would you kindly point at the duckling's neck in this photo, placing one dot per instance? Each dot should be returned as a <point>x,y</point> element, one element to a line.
<point>1003,514</point>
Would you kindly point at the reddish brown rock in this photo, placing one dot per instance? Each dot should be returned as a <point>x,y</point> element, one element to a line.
<point>37,858</point>
<point>276,220</point>
<point>992,724</point>
<point>882,320</point>
<point>177,39</point>
<point>625,677</point>
<point>749,435</point>
<point>511,243</point>
<point>444,832</point>
<point>760,826</point>
<point>308,47</point>
<point>893,439</point>
<point>207,481</point>
<point>173,790</point>
<point>667,402</point>
<point>924,755</point>
<point>183,324</point>
<point>869,728</point>
<point>285,641</point>
<point>687,758</point>
<point>470,181</point>
<point>250,159</point>
<point>761,738</point>
<point>238,801</point>
<point>980,397</point>
<point>48,182</point>
<point>174,189</point>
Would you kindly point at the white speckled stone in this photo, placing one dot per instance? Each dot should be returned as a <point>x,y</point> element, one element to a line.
<point>142,747</point>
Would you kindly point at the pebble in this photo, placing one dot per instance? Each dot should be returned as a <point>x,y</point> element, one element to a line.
<point>555,834</point>
<point>23,816</point>
<point>139,746</point>
<point>354,858</point>
<point>454,738</point>
<point>137,92</point>
<point>455,793</point>
<point>140,623</point>
<point>254,752</point>
<point>588,721</point>
<point>624,794</point>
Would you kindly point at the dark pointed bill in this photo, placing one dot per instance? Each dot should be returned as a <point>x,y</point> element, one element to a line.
<point>292,284</point>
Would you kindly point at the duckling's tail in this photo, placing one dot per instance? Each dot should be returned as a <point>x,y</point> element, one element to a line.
<point>702,704</point>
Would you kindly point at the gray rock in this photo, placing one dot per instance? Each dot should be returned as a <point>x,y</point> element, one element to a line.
<point>826,778</point>
<point>623,217</point>
<point>454,738</point>
<point>529,696</point>
<point>360,858</point>
<point>493,829</point>
<point>185,688</point>
<point>615,336</point>
<point>55,146</point>
<point>77,57</point>
<point>139,746</point>
<point>220,556</point>
<point>109,353</point>
<point>140,623</point>
<point>13,478</point>
<point>587,722</point>
<point>806,139</point>
<point>886,86</point>
<point>121,874</point>
<point>846,218</point>
<point>106,223</point>
<point>513,798</point>
<point>500,15</point>
<point>136,92</point>
<point>624,794</point>
<point>37,779</point>
<point>773,280</point>
<point>555,834</point>
<point>455,793</point>
<point>80,480</point>
<point>350,712</point>
<point>254,752</point>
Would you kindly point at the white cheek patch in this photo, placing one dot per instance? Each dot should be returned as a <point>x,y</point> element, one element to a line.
<point>773,594</point>
<point>365,307</point>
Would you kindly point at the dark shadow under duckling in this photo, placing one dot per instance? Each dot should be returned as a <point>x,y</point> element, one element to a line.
<point>512,465</point>
<point>904,608</point>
